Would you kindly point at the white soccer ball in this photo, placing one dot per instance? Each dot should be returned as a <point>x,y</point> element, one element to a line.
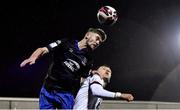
<point>107,15</point>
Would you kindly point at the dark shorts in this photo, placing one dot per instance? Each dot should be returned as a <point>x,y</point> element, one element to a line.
<point>52,99</point>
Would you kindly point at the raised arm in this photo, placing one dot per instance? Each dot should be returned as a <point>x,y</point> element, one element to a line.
<point>34,56</point>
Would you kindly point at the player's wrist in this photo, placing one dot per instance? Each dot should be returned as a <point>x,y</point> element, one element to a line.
<point>117,95</point>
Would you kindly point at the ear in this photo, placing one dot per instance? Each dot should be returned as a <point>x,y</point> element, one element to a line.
<point>87,35</point>
<point>94,71</point>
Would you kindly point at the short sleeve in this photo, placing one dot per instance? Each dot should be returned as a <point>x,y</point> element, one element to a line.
<point>52,46</point>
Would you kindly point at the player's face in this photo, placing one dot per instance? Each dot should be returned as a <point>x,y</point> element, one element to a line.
<point>93,40</point>
<point>105,72</point>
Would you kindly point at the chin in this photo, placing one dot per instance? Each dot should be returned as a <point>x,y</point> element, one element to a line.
<point>93,48</point>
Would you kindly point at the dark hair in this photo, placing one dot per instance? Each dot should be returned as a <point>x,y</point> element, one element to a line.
<point>100,32</point>
<point>96,67</point>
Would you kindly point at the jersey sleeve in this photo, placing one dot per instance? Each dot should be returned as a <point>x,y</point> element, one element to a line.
<point>96,86</point>
<point>52,46</point>
<point>99,91</point>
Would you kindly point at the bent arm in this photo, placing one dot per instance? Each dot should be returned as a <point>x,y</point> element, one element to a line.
<point>34,56</point>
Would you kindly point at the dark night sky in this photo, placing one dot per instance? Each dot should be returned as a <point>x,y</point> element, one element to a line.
<point>143,47</point>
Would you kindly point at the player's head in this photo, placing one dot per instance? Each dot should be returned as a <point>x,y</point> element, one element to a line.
<point>105,72</point>
<point>94,37</point>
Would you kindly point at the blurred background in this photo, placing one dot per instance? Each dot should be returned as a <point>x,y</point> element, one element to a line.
<point>143,47</point>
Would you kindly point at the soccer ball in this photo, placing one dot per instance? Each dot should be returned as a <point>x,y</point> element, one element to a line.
<point>107,15</point>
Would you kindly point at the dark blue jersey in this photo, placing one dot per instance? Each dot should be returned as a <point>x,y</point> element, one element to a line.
<point>68,65</point>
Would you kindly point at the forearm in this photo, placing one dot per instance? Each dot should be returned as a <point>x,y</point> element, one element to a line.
<point>98,90</point>
<point>39,52</point>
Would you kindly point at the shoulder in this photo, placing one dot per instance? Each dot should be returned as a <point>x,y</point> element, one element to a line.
<point>56,43</point>
<point>69,42</point>
<point>63,40</point>
<point>95,78</point>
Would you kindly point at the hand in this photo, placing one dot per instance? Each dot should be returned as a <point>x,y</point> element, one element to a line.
<point>29,61</point>
<point>127,97</point>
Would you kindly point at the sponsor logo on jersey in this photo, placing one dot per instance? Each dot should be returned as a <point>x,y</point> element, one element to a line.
<point>72,65</point>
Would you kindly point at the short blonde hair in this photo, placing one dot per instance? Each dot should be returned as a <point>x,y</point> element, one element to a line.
<point>100,32</point>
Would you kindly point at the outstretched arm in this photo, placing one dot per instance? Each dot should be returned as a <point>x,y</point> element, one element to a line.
<point>98,90</point>
<point>35,55</point>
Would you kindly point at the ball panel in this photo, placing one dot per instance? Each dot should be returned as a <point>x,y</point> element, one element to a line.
<point>107,15</point>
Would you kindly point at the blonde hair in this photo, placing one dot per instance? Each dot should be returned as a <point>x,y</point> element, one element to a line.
<point>100,32</point>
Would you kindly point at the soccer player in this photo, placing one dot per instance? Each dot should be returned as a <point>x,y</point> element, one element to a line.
<point>71,61</point>
<point>92,90</point>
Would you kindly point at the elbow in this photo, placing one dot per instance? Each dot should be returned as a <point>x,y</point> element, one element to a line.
<point>43,50</point>
<point>40,48</point>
